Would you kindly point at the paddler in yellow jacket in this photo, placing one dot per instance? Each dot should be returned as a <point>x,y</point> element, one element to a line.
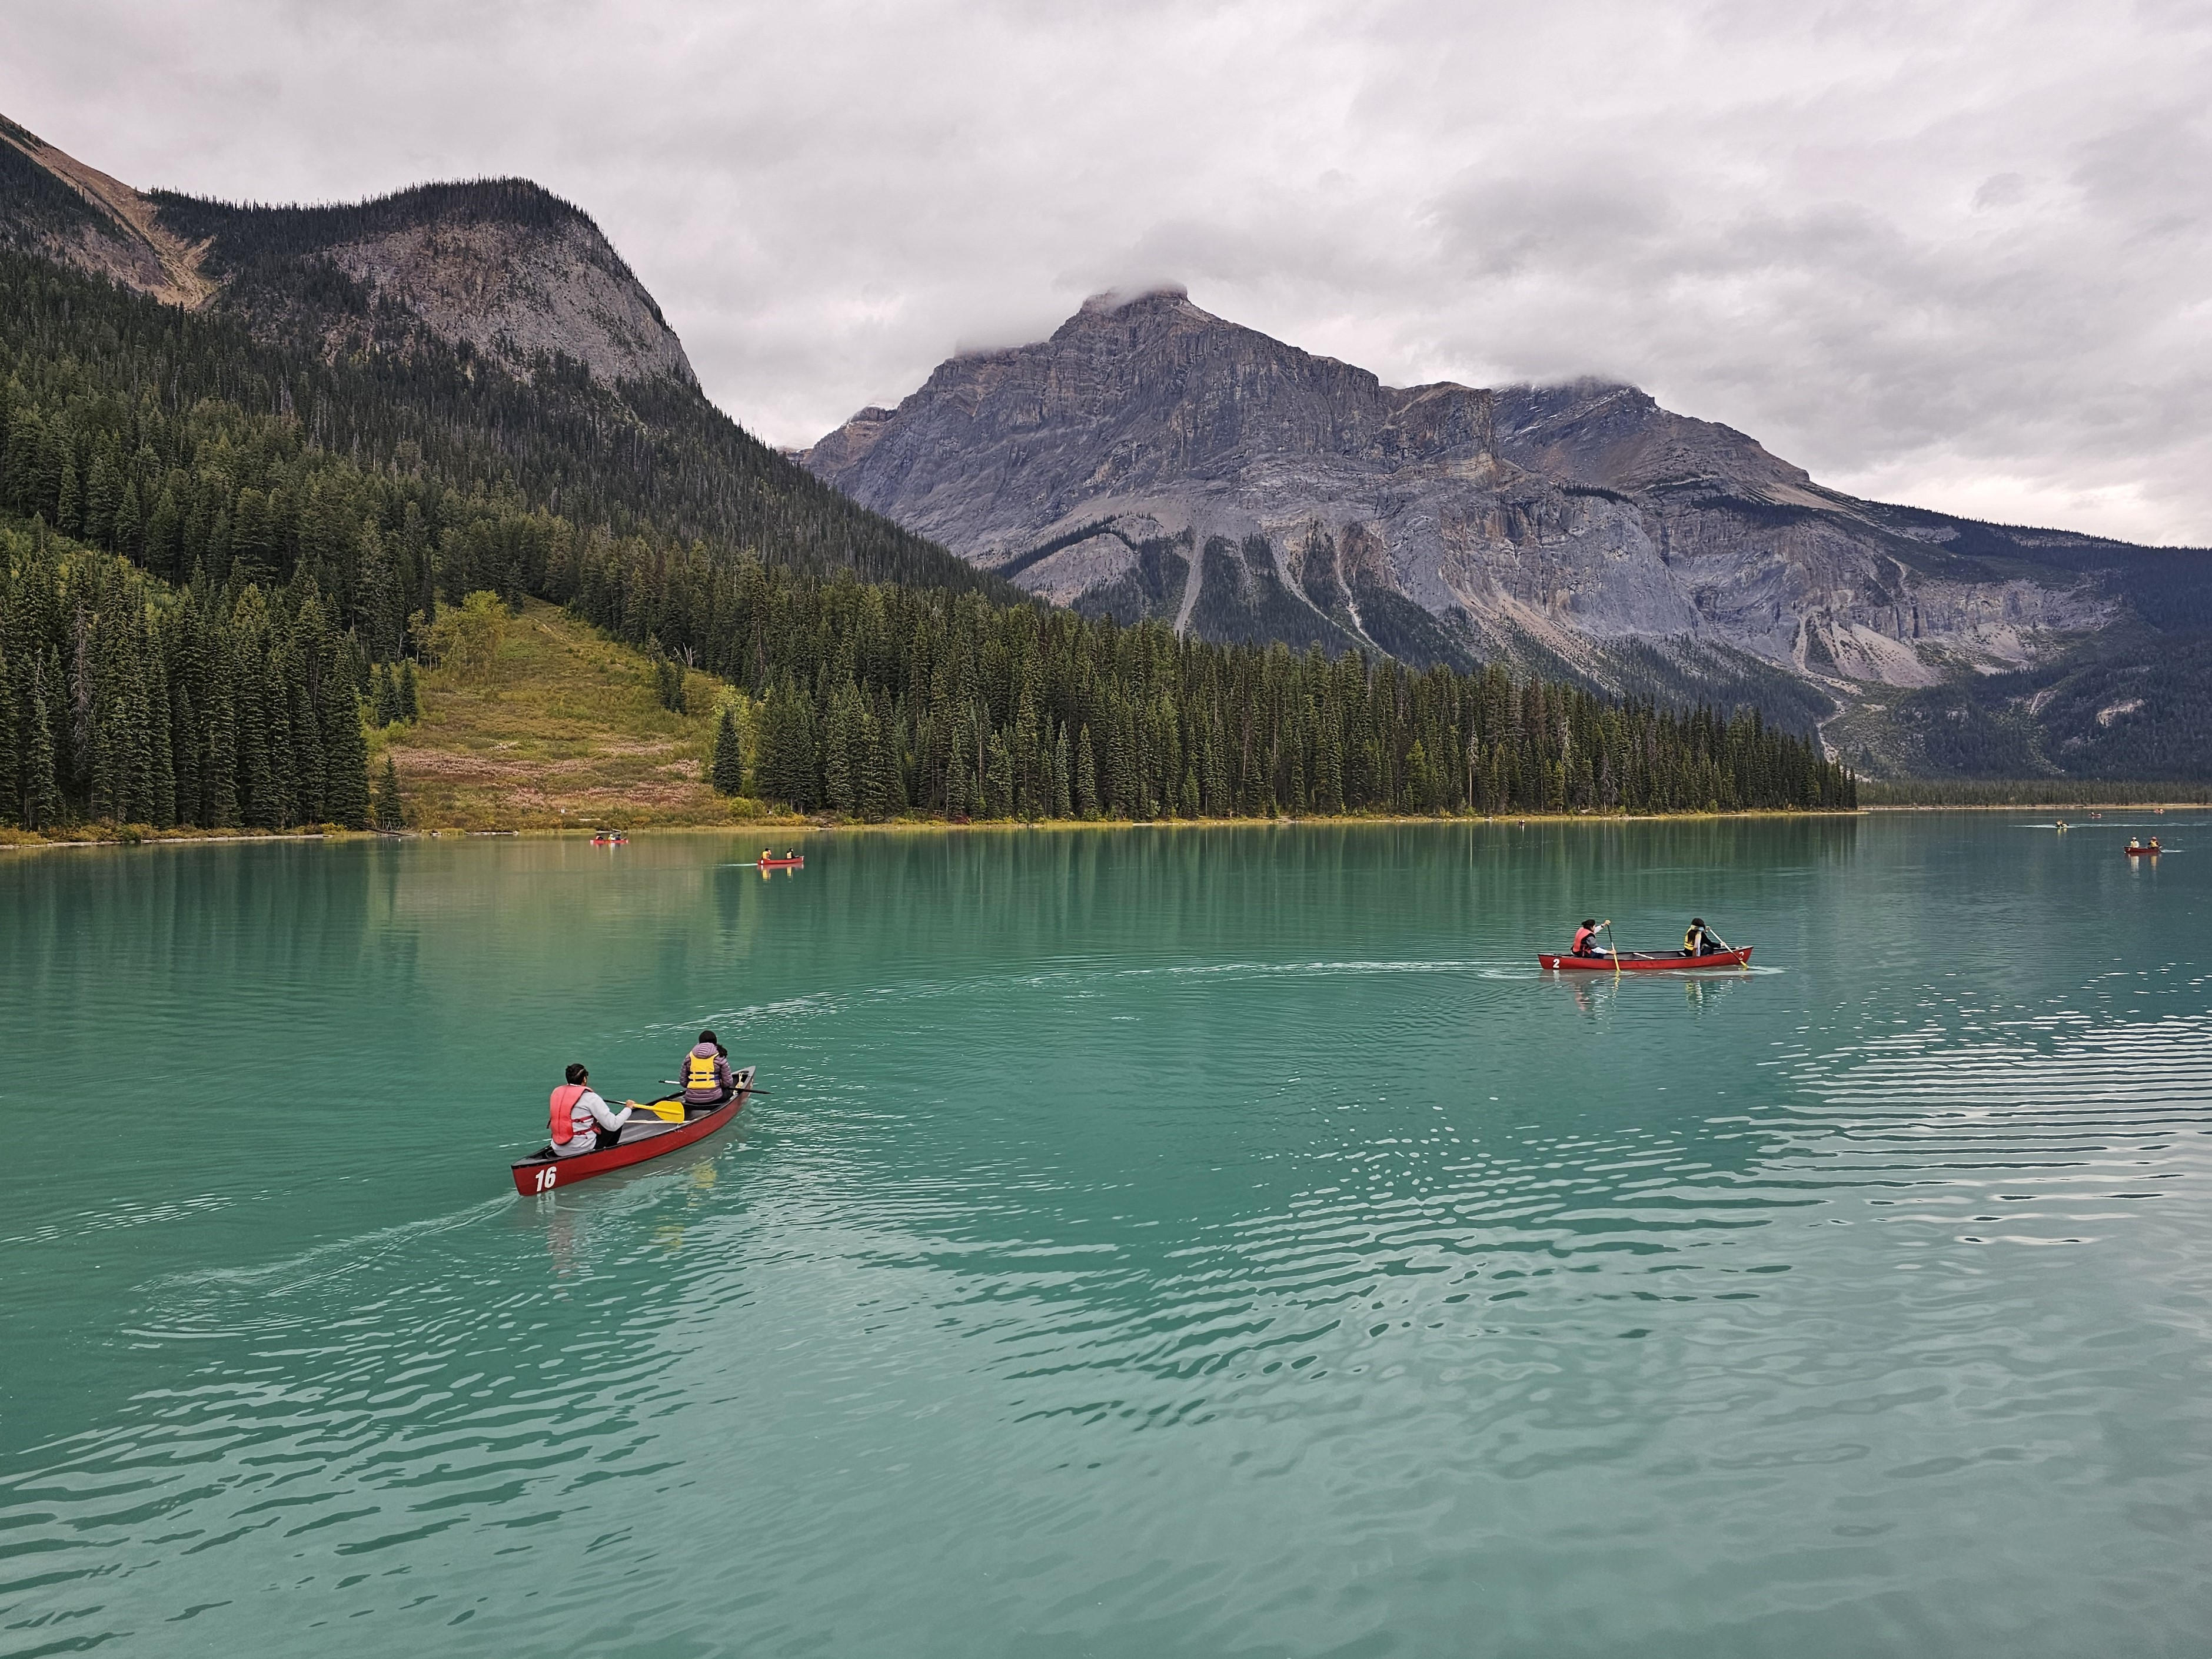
<point>707,1077</point>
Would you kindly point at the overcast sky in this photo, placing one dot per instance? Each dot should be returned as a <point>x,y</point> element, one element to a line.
<point>1957,254</point>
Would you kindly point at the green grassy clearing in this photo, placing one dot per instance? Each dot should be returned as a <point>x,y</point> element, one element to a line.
<point>567,733</point>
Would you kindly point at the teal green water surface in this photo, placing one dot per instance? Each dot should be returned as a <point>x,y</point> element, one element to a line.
<point>1153,1242</point>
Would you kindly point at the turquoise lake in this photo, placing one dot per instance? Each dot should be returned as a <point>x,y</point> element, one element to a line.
<point>1150,1242</point>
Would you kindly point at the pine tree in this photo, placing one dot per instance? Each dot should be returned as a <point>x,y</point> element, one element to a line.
<point>128,536</point>
<point>379,609</point>
<point>389,814</point>
<point>162,808</point>
<point>998,778</point>
<point>219,780</point>
<point>345,755</point>
<point>164,546</point>
<point>42,795</point>
<point>411,705</point>
<point>956,780</point>
<point>309,761</point>
<point>137,716</point>
<point>185,749</point>
<point>1086,777</point>
<point>727,771</point>
<point>281,810</point>
<point>872,769</point>
<point>840,750</point>
<point>13,695</point>
<point>68,511</point>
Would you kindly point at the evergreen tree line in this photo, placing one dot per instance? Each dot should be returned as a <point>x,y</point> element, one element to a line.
<point>2067,793</point>
<point>122,699</point>
<point>879,700</point>
<point>215,493</point>
<point>102,363</point>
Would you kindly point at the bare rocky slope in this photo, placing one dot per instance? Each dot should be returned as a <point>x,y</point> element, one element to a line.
<point>500,267</point>
<point>1150,459</point>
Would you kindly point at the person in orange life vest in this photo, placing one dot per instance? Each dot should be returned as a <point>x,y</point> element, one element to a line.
<point>1698,940</point>
<point>707,1077</point>
<point>1586,942</point>
<point>578,1120</point>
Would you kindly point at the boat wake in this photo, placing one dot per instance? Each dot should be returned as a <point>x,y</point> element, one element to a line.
<point>204,1303</point>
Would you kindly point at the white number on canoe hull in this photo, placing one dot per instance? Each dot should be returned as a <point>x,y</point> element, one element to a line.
<point>545,1177</point>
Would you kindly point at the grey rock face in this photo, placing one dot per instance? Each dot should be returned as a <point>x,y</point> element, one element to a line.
<point>1150,459</point>
<point>514,291</point>
<point>503,267</point>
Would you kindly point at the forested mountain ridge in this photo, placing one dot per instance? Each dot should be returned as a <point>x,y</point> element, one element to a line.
<point>499,267</point>
<point>471,366</point>
<point>364,495</point>
<point>1152,461</point>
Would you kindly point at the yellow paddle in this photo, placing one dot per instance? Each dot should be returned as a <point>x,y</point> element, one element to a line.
<point>668,1111</point>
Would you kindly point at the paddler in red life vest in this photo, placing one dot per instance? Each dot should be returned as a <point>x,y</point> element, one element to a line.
<point>1586,942</point>
<point>707,1077</point>
<point>578,1120</point>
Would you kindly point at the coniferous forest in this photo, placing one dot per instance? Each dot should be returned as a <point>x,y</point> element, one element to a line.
<point>215,549</point>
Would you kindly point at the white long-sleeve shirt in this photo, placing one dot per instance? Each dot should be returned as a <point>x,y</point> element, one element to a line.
<point>602,1114</point>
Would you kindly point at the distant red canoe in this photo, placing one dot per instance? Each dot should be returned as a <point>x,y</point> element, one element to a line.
<point>2150,851</point>
<point>641,1138</point>
<point>779,864</point>
<point>1632,962</point>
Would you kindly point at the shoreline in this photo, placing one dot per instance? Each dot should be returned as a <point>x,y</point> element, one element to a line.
<point>777,827</point>
<point>2043,806</point>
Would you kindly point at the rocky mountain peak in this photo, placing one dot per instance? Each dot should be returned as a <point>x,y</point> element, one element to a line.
<point>1150,459</point>
<point>1167,298</point>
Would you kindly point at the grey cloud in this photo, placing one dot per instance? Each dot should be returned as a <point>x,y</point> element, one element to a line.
<point>1952,255</point>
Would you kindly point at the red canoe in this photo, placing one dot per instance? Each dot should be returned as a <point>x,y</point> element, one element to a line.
<point>642,1137</point>
<point>1649,961</point>
<point>779,864</point>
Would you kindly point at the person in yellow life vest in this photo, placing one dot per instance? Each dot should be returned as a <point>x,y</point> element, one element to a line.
<point>578,1120</point>
<point>707,1078</point>
<point>1700,941</point>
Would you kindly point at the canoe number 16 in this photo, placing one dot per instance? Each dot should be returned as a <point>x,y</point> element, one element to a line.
<point>545,1177</point>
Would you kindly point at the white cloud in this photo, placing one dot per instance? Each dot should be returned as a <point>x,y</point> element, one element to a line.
<point>1952,255</point>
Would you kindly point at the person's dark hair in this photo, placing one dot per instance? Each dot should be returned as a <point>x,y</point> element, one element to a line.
<point>1589,921</point>
<point>577,1074</point>
<point>708,1036</point>
<point>1696,921</point>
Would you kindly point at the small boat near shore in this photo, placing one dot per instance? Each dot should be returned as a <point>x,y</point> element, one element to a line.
<point>641,1138</point>
<point>1632,962</point>
<point>795,861</point>
<point>610,838</point>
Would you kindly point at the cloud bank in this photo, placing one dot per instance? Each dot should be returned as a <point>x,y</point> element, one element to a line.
<point>1957,256</point>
